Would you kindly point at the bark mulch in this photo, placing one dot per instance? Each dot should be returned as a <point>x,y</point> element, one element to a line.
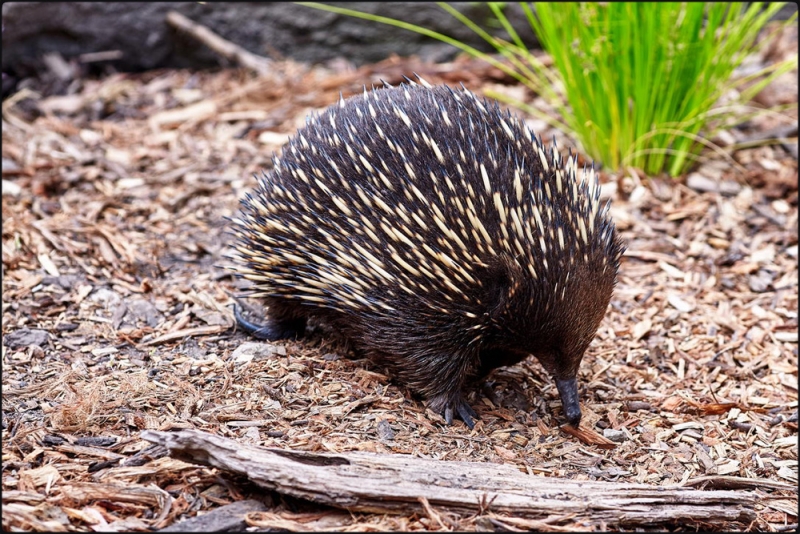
<point>117,318</point>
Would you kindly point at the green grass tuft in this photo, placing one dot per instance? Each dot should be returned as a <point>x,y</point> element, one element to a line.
<point>638,83</point>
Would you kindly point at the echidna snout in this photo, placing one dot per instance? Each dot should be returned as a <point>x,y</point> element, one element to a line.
<point>439,234</point>
<point>568,391</point>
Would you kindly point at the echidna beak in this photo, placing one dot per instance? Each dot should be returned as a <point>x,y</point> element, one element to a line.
<point>568,391</point>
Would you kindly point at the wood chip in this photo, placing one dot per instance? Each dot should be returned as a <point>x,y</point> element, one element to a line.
<point>589,437</point>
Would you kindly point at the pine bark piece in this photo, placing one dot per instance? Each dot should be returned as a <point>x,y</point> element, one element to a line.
<point>389,483</point>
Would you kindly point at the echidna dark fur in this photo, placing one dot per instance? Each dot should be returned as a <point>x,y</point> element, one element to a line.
<point>439,234</point>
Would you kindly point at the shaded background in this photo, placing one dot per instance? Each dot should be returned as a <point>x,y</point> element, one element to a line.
<point>282,29</point>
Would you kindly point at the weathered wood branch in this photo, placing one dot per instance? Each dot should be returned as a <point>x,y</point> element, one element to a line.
<point>368,482</point>
<point>223,47</point>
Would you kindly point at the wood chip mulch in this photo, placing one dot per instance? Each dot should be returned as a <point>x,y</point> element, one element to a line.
<point>117,318</point>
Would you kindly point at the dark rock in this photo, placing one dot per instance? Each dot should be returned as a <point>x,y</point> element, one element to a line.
<point>229,517</point>
<point>96,441</point>
<point>143,311</point>
<point>51,440</point>
<point>385,432</point>
<point>26,337</point>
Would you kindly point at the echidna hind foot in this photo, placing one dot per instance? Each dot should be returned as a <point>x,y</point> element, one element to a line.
<point>290,327</point>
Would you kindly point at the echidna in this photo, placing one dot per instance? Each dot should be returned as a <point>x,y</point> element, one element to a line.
<point>436,232</point>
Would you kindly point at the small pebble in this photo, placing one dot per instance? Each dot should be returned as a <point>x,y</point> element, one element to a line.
<point>701,183</point>
<point>385,432</point>
<point>617,436</point>
<point>249,350</point>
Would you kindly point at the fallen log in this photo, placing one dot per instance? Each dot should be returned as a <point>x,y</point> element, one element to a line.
<point>393,483</point>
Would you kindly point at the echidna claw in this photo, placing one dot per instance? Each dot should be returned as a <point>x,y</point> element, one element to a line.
<point>448,415</point>
<point>464,411</point>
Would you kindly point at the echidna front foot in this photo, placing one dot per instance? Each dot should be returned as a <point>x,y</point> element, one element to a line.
<point>275,329</point>
<point>454,406</point>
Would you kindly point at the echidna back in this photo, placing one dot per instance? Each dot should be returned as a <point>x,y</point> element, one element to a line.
<point>407,191</point>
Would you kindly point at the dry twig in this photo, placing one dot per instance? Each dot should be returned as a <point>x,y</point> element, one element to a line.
<point>223,47</point>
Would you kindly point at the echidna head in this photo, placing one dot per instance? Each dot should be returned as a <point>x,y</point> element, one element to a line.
<point>554,317</point>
